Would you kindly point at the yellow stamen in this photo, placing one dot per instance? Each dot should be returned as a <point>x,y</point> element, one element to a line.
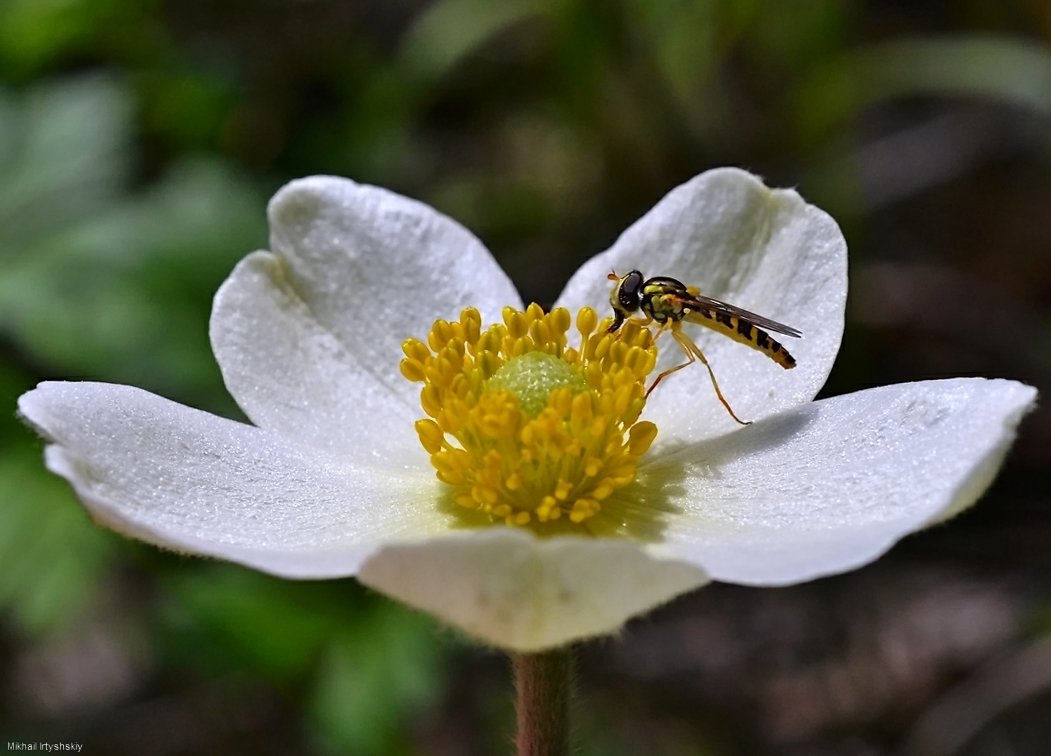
<point>523,427</point>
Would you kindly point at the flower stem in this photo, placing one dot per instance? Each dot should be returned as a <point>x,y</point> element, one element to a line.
<point>543,682</point>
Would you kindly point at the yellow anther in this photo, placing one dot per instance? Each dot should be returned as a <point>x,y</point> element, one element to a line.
<point>640,437</point>
<point>581,408</point>
<point>562,399</point>
<point>412,369</point>
<point>472,324</point>
<point>587,320</point>
<point>466,500</point>
<point>431,435</point>
<point>602,346</point>
<point>522,426</point>
<point>415,349</point>
<point>431,400</point>
<point>449,468</point>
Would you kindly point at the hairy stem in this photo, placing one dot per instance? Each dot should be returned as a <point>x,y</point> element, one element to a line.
<point>543,683</point>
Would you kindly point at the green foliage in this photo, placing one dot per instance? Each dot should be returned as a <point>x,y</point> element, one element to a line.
<point>51,559</point>
<point>1011,70</point>
<point>100,281</point>
<point>447,32</point>
<point>34,33</point>
<point>373,665</point>
<point>376,678</point>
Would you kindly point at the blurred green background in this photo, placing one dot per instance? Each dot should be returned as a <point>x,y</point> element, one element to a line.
<point>139,141</point>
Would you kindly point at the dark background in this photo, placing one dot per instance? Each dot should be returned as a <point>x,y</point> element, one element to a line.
<point>139,141</point>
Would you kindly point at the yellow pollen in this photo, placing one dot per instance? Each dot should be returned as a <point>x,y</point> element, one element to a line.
<point>522,426</point>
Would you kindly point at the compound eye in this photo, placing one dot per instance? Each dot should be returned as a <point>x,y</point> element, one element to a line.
<point>628,293</point>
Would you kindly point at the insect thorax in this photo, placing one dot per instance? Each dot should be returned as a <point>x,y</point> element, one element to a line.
<point>662,299</point>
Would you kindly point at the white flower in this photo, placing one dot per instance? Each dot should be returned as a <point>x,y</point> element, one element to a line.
<point>332,481</point>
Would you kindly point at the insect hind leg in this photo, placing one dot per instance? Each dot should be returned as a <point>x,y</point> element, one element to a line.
<point>693,353</point>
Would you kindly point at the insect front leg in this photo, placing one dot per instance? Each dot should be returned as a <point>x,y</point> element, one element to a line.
<point>643,322</point>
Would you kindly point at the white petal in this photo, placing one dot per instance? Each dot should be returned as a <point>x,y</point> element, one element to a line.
<point>293,375</point>
<point>194,482</point>
<point>832,485</point>
<point>309,337</point>
<point>511,589</point>
<point>760,249</point>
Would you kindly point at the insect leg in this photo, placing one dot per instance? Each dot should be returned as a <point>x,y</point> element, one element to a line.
<point>687,344</point>
<point>693,351</point>
<point>643,322</point>
<point>689,355</point>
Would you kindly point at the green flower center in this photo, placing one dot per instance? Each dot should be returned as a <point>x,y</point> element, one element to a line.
<point>533,376</point>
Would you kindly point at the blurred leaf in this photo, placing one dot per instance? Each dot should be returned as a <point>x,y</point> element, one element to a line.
<point>376,663</point>
<point>187,109</point>
<point>450,30</point>
<point>375,678</point>
<point>12,384</point>
<point>63,155</point>
<point>227,618</point>
<point>683,38</point>
<point>374,134</point>
<point>1000,68</point>
<point>785,36</point>
<point>494,206</point>
<point>101,283</point>
<point>34,32</point>
<point>51,557</point>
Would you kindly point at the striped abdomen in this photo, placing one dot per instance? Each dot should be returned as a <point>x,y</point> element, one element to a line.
<point>743,332</point>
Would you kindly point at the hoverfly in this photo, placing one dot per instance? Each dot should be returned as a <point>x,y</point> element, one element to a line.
<point>669,302</point>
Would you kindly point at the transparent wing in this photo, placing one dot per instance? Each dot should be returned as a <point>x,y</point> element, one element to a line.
<point>701,302</point>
